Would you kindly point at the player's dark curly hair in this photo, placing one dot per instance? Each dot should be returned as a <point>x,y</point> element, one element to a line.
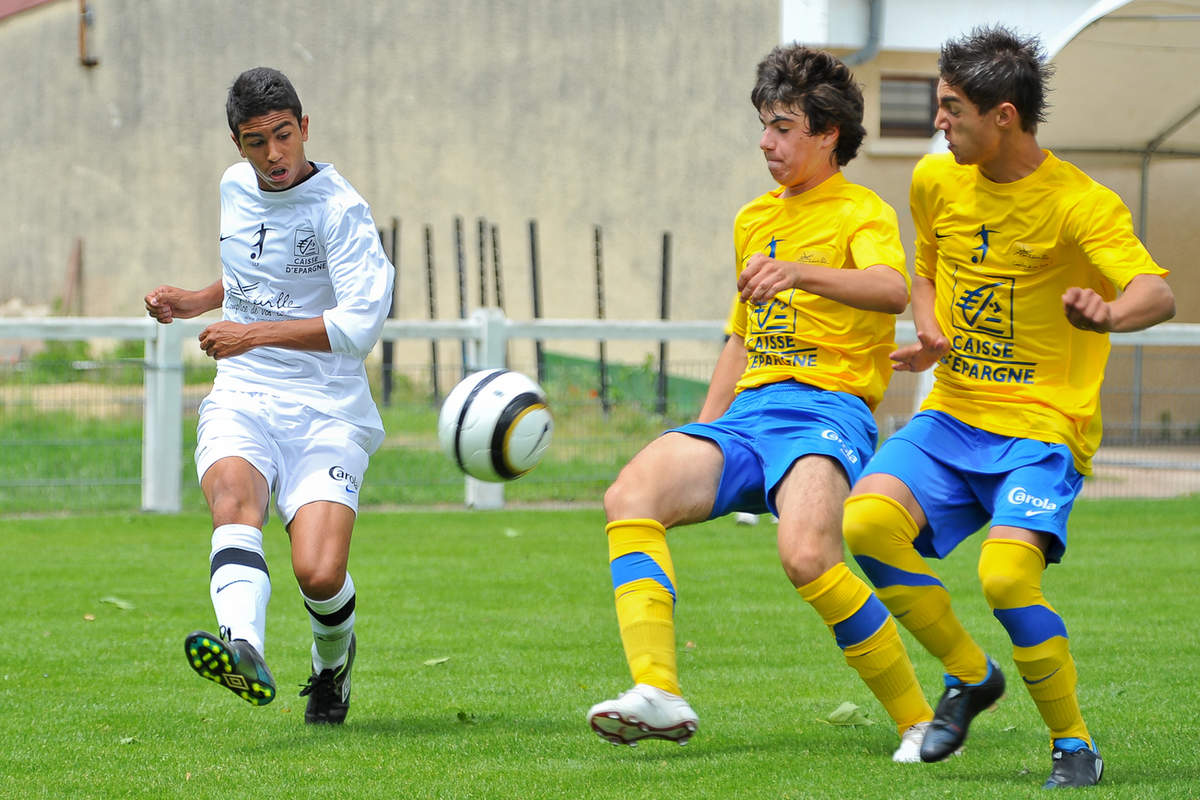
<point>260,91</point>
<point>818,84</point>
<point>993,65</point>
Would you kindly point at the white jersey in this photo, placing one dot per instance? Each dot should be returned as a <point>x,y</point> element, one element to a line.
<point>309,251</point>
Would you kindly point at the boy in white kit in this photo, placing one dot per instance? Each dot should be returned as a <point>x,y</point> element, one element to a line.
<point>305,290</point>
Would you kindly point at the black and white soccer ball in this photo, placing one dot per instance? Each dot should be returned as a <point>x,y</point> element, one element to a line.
<point>495,424</point>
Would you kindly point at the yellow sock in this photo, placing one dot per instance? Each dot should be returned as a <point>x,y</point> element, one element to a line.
<point>644,587</point>
<point>880,534</point>
<point>1011,573</point>
<point>870,643</point>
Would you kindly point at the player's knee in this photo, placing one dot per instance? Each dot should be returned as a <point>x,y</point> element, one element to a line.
<point>1010,573</point>
<point>804,562</point>
<point>869,520</point>
<point>1003,585</point>
<point>628,498</point>
<point>321,581</point>
<point>999,588</point>
<point>232,508</point>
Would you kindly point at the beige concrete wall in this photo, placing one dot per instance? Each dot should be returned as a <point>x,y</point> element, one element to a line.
<point>628,114</point>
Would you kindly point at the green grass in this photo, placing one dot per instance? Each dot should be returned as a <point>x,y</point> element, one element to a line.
<point>75,458</point>
<point>99,702</point>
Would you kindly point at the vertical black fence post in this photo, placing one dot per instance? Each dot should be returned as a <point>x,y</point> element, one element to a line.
<point>605,406</point>
<point>460,262</point>
<point>496,270</point>
<point>432,294</point>
<point>536,288</point>
<point>664,312</point>
<point>481,230</point>
<point>389,347</point>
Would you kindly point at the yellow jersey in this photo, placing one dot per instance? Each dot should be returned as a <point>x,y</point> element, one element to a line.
<point>1001,256</point>
<point>803,336</point>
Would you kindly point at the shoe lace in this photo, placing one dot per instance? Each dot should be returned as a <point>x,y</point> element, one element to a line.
<point>321,685</point>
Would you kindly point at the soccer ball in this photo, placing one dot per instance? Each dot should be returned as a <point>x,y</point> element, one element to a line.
<point>495,425</point>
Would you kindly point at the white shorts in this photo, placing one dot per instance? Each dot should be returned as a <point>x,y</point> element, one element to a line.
<point>305,456</point>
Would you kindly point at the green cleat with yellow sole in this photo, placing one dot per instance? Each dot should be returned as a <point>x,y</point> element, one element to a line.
<point>235,665</point>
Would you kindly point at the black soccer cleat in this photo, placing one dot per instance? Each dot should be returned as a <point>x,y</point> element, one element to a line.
<point>960,703</point>
<point>328,692</point>
<point>1074,768</point>
<point>235,665</point>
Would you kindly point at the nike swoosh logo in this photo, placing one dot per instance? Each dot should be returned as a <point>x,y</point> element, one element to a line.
<point>1039,680</point>
<point>940,235</point>
<point>1035,513</point>
<point>223,238</point>
<point>231,583</point>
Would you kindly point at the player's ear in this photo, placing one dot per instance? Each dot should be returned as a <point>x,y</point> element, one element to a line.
<point>1006,116</point>
<point>829,139</point>
<point>238,144</point>
<point>304,128</point>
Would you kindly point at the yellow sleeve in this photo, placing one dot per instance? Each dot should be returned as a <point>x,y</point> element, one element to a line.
<point>925,246</point>
<point>1103,228</point>
<point>735,325</point>
<point>877,241</point>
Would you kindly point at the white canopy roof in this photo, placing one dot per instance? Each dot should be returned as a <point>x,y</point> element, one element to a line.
<point>1126,80</point>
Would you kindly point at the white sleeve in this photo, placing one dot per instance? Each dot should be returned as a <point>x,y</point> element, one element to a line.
<point>362,280</point>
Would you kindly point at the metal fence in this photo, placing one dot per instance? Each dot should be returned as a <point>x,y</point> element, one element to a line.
<point>116,432</point>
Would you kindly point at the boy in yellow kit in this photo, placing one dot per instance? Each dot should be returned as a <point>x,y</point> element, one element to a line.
<point>1019,258</point>
<point>786,425</point>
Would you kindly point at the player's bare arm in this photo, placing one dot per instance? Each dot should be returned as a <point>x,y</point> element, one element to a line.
<point>1146,301</point>
<point>226,339</point>
<point>931,343</point>
<point>730,366</point>
<point>876,288</point>
<point>169,302</point>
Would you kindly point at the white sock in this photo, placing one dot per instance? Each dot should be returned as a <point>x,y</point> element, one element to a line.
<point>239,583</point>
<point>332,625</point>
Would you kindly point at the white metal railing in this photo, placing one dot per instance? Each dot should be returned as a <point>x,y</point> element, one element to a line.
<point>487,333</point>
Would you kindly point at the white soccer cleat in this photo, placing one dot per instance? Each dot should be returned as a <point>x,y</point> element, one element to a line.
<point>909,751</point>
<point>644,712</point>
<point>744,518</point>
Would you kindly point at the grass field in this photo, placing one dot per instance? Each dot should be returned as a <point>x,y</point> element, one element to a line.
<point>76,445</point>
<point>484,637</point>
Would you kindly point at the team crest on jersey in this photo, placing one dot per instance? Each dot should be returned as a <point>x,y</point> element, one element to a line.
<point>984,236</point>
<point>260,241</point>
<point>306,253</point>
<point>774,316</point>
<point>305,243</point>
<point>986,307</point>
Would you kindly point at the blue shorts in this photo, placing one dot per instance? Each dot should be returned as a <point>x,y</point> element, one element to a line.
<point>962,477</point>
<point>768,427</point>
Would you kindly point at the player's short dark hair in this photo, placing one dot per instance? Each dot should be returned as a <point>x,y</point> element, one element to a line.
<point>819,85</point>
<point>994,65</point>
<point>260,91</point>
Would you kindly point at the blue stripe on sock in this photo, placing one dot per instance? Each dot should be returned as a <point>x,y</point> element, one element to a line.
<point>860,625</point>
<point>634,566</point>
<point>1030,625</point>
<point>1071,745</point>
<point>882,575</point>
